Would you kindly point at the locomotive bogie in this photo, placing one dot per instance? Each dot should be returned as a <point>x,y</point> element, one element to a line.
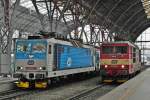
<point>22,84</point>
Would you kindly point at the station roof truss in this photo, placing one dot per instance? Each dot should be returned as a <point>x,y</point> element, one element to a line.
<point>106,19</point>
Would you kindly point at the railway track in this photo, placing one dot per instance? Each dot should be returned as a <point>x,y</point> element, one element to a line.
<point>15,93</point>
<point>86,93</point>
<point>10,94</point>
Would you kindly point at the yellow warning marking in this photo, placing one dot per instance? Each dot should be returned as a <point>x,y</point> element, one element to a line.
<point>121,81</point>
<point>107,80</point>
<point>40,84</point>
<point>119,61</point>
<point>22,84</point>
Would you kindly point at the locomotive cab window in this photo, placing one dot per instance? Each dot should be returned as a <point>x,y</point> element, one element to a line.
<point>39,48</point>
<point>22,47</point>
<point>117,49</point>
<point>121,49</point>
<point>107,49</point>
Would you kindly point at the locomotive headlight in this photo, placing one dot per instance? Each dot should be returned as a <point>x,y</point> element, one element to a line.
<point>42,68</point>
<point>106,66</point>
<point>19,67</point>
<point>122,66</point>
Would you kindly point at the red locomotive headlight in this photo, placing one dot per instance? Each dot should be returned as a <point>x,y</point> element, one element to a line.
<point>106,66</point>
<point>122,66</point>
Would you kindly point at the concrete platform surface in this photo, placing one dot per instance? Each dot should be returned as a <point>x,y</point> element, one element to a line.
<point>138,88</point>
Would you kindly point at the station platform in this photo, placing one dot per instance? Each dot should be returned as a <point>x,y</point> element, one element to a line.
<point>137,88</point>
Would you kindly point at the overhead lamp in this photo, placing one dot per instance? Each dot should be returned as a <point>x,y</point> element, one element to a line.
<point>146,6</point>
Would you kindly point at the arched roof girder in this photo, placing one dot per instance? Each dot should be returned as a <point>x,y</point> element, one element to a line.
<point>140,26</point>
<point>132,18</point>
<point>140,30</point>
<point>126,24</point>
<point>136,22</point>
<point>123,14</point>
<point>109,13</point>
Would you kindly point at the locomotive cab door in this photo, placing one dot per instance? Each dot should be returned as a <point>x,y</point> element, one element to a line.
<point>50,57</point>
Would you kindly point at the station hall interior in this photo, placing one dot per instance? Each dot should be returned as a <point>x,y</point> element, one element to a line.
<point>95,48</point>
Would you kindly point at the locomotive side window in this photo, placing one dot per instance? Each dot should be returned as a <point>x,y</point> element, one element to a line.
<point>49,49</point>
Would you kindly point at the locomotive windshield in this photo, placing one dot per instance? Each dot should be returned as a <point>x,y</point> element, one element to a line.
<point>38,48</point>
<point>121,49</point>
<point>35,49</point>
<point>22,47</point>
<point>107,49</point>
<point>114,49</point>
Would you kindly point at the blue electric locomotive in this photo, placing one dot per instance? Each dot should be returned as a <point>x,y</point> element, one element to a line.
<point>37,61</point>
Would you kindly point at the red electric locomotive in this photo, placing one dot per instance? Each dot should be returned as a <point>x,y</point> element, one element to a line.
<point>119,61</point>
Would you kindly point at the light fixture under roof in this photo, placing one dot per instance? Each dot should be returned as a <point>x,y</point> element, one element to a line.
<point>146,5</point>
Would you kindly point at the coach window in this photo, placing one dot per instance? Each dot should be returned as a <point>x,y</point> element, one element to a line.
<point>49,50</point>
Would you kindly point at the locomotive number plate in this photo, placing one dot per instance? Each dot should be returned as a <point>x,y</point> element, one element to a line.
<point>114,62</point>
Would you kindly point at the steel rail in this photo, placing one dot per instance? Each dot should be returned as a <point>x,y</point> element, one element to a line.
<point>85,93</point>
